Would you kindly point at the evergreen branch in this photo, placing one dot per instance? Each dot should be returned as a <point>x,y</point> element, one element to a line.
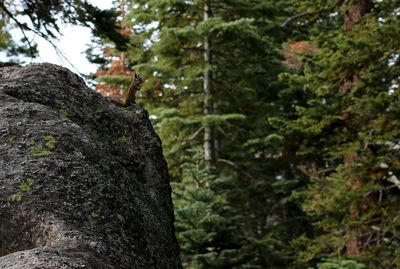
<point>21,26</point>
<point>24,27</point>
<point>236,166</point>
<point>185,217</point>
<point>193,136</point>
<point>295,17</point>
<point>192,48</point>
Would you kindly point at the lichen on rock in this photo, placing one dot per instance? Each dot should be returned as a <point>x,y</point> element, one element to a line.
<point>83,184</point>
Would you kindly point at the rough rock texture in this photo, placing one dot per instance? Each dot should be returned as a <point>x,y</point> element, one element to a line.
<point>83,184</point>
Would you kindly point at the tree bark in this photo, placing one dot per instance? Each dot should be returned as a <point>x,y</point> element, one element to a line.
<point>353,16</point>
<point>355,13</point>
<point>208,143</point>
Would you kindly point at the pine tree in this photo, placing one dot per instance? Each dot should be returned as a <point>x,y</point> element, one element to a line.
<point>185,60</point>
<point>208,65</point>
<point>213,92</point>
<point>114,75</point>
<point>348,130</point>
<point>207,236</point>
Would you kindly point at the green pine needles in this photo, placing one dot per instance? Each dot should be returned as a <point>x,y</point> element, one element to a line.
<point>279,121</point>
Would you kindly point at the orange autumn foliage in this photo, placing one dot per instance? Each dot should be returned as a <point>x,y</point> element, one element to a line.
<point>117,68</point>
<point>292,51</point>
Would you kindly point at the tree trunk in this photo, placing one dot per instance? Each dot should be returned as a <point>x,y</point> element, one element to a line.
<point>356,12</point>
<point>208,143</point>
<point>353,16</point>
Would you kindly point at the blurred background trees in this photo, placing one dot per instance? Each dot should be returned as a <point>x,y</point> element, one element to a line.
<point>279,121</point>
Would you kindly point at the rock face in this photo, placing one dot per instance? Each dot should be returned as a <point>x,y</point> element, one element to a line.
<point>83,183</point>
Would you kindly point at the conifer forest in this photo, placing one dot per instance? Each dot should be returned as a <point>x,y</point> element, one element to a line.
<point>279,119</point>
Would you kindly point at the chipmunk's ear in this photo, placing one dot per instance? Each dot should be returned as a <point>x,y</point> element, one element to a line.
<point>135,75</point>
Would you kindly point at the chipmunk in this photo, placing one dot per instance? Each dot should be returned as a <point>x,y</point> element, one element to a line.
<point>133,88</point>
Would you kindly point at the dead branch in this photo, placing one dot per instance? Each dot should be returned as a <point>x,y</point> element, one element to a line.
<point>236,166</point>
<point>295,17</point>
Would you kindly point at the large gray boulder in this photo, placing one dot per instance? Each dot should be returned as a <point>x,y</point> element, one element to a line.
<point>83,183</point>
